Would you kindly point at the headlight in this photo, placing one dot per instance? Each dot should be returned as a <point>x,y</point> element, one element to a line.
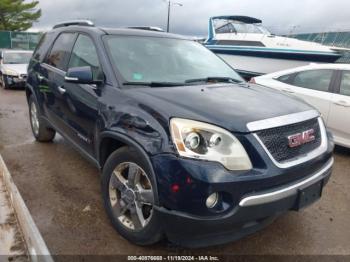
<point>208,142</point>
<point>10,72</point>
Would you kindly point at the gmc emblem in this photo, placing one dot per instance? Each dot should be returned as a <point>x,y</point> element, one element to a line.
<point>301,138</point>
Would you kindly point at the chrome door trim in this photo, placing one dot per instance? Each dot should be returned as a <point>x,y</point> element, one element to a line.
<point>52,68</point>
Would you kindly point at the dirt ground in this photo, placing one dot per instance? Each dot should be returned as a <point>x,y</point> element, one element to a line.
<point>62,192</point>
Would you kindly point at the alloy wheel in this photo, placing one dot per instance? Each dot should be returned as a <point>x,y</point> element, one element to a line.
<point>131,196</point>
<point>34,118</point>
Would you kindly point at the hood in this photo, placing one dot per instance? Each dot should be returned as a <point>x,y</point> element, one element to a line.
<point>230,106</point>
<point>21,69</point>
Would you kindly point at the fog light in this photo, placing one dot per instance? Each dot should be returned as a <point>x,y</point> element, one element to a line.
<point>212,200</point>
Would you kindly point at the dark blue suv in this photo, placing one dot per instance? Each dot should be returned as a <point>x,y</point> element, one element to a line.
<point>187,149</point>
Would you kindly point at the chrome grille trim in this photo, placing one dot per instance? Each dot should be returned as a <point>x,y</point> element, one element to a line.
<point>264,198</point>
<point>303,158</point>
<point>282,120</point>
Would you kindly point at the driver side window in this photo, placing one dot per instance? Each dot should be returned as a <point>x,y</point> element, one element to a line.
<point>84,54</point>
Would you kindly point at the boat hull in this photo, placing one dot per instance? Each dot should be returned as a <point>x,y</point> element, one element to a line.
<point>253,63</point>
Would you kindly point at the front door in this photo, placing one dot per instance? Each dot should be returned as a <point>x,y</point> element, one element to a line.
<point>314,87</point>
<point>81,103</point>
<point>339,116</point>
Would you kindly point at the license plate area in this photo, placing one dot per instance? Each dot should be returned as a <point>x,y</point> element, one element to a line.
<point>308,195</point>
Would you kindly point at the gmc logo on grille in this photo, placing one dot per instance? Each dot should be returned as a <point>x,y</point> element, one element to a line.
<point>301,138</point>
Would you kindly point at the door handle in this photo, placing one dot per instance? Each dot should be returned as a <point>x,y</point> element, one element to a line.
<point>288,90</point>
<point>61,89</point>
<point>342,103</point>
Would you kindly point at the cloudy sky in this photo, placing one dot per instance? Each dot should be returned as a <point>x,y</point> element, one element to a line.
<point>281,16</point>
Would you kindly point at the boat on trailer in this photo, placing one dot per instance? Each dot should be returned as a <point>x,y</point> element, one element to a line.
<point>252,50</point>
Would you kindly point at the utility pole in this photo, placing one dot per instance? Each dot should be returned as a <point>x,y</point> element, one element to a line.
<point>167,27</point>
<point>169,9</point>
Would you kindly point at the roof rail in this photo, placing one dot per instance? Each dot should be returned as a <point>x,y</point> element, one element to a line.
<point>74,22</point>
<point>149,28</point>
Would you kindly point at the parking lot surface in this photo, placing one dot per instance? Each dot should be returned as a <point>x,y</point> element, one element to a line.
<point>11,239</point>
<point>62,192</point>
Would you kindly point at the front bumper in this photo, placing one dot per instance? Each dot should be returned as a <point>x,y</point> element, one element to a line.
<point>15,81</point>
<point>253,212</point>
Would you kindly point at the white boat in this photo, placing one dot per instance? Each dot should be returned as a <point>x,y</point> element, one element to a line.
<point>252,50</point>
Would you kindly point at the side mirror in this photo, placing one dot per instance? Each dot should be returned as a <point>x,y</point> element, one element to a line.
<point>80,75</point>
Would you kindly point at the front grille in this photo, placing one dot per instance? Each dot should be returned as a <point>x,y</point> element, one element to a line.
<point>276,140</point>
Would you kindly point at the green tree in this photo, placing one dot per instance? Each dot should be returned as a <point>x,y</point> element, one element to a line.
<point>18,15</point>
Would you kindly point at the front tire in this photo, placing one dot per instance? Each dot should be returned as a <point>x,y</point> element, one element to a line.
<point>41,131</point>
<point>4,84</point>
<point>128,191</point>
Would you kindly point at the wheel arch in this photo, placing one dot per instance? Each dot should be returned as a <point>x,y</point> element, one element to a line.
<point>105,148</point>
<point>29,89</point>
<point>29,92</point>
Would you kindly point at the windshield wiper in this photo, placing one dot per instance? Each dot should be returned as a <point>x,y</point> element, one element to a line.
<point>154,84</point>
<point>214,79</point>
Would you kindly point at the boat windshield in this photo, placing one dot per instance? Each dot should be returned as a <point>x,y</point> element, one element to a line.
<point>155,60</point>
<point>228,27</point>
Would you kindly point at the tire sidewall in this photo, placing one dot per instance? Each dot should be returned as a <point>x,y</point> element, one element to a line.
<point>152,232</point>
<point>46,133</point>
<point>32,101</point>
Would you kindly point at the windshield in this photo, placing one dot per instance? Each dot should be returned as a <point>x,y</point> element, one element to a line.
<point>239,27</point>
<point>17,58</point>
<point>154,59</point>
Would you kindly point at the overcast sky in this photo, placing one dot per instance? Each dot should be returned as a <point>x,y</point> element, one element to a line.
<point>192,18</point>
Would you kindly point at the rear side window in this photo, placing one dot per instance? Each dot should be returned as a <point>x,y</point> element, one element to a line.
<point>314,79</point>
<point>345,84</point>
<point>60,52</point>
<point>84,54</point>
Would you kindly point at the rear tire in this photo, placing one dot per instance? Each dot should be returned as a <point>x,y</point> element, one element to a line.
<point>128,191</point>
<point>41,131</point>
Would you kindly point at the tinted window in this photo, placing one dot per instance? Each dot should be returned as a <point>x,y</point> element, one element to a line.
<point>286,78</point>
<point>345,84</point>
<point>314,79</point>
<point>60,51</point>
<point>43,46</point>
<point>85,54</point>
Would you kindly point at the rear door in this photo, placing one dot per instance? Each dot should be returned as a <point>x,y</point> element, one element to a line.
<point>52,80</point>
<point>339,116</point>
<point>313,86</point>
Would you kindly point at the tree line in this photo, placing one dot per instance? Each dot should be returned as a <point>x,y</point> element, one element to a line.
<point>18,15</point>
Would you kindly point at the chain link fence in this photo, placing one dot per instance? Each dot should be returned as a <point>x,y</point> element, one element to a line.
<point>335,39</point>
<point>19,40</point>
